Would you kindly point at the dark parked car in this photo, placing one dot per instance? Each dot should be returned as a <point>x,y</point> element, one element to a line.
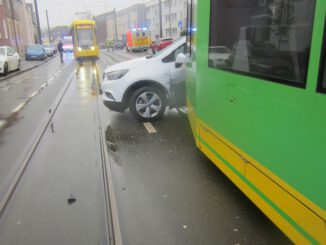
<point>35,52</point>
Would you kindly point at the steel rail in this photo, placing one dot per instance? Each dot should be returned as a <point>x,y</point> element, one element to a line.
<point>114,230</point>
<point>32,146</point>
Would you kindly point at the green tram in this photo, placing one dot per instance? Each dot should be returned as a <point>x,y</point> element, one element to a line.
<point>256,98</point>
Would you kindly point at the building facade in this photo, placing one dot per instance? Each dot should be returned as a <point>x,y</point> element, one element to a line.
<point>174,18</point>
<point>105,27</point>
<point>129,18</point>
<point>16,28</point>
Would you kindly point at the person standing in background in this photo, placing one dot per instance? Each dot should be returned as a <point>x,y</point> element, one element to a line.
<point>60,49</point>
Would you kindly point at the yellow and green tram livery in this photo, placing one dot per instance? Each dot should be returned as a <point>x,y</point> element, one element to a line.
<point>84,40</point>
<point>256,96</point>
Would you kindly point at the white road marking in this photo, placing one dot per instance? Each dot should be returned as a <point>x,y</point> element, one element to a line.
<point>50,80</point>
<point>3,84</point>
<point>150,128</point>
<point>34,94</point>
<point>3,123</point>
<point>18,108</point>
<point>44,85</point>
<point>5,89</point>
<point>18,81</point>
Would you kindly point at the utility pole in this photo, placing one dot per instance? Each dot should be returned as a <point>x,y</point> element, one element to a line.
<point>47,20</point>
<point>160,16</point>
<point>170,2</point>
<point>38,23</point>
<point>13,24</point>
<point>115,25</point>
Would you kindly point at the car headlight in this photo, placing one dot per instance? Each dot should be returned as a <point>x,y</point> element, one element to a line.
<point>115,75</point>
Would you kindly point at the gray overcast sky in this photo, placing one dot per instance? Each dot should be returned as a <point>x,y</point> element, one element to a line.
<point>61,12</point>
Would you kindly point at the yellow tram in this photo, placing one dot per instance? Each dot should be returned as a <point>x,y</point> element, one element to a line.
<point>84,40</point>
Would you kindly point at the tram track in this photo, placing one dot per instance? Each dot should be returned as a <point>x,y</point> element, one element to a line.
<point>113,233</point>
<point>32,146</point>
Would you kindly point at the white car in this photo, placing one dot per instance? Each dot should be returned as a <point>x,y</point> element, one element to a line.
<point>48,49</point>
<point>9,60</point>
<point>218,55</point>
<point>145,84</point>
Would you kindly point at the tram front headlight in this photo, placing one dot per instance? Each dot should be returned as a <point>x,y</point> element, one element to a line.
<point>115,75</point>
<point>80,49</point>
<point>92,48</point>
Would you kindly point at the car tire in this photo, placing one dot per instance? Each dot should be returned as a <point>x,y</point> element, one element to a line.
<point>5,68</point>
<point>147,104</point>
<point>19,66</point>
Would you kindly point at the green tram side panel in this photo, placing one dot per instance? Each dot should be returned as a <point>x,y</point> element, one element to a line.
<point>280,126</point>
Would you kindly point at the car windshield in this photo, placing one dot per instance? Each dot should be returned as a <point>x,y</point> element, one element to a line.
<point>35,48</point>
<point>2,51</point>
<point>85,37</point>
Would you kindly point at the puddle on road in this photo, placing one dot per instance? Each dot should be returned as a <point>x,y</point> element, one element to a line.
<point>88,79</point>
<point>112,146</point>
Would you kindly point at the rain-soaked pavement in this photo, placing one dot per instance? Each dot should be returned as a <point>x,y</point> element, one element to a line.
<point>167,192</point>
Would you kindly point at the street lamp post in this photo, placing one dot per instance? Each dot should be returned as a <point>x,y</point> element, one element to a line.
<point>160,16</point>
<point>47,20</point>
<point>38,22</point>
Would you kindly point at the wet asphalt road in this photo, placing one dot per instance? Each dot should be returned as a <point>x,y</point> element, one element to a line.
<point>23,124</point>
<point>167,191</point>
<point>60,198</point>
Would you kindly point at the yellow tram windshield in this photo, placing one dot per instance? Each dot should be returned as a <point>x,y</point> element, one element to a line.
<point>85,35</point>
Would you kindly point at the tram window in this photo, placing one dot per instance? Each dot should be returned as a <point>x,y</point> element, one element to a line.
<point>85,37</point>
<point>322,67</point>
<point>323,78</point>
<point>269,39</point>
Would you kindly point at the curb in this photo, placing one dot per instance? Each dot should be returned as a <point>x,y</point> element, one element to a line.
<point>28,69</point>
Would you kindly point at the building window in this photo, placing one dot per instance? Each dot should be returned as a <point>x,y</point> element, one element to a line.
<point>271,41</point>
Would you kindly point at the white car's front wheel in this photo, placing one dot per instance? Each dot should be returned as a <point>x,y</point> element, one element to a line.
<point>147,104</point>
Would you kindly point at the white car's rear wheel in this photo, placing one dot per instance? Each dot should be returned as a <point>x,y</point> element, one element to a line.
<point>5,68</point>
<point>19,66</point>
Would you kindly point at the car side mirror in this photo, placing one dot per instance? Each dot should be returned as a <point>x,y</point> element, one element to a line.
<point>180,60</point>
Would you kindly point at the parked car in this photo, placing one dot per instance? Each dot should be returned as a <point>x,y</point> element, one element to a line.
<point>144,84</point>
<point>119,44</point>
<point>48,50</point>
<point>160,44</point>
<point>35,52</point>
<point>9,60</point>
<point>54,48</point>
